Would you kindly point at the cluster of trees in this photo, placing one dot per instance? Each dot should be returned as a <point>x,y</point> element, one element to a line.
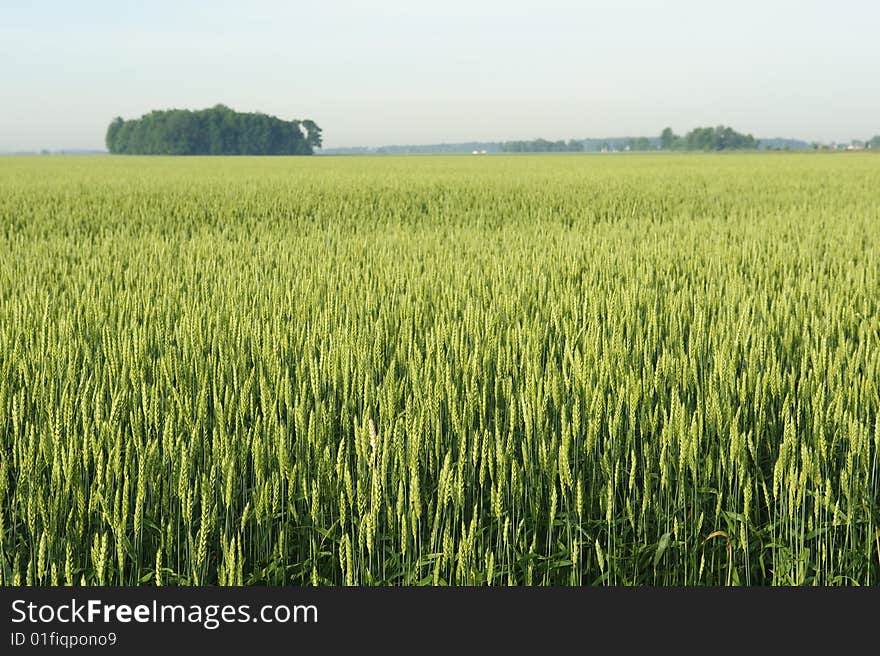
<point>641,143</point>
<point>719,138</point>
<point>215,131</point>
<point>542,146</point>
<point>874,143</point>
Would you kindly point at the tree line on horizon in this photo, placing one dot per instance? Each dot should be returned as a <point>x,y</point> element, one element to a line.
<point>215,131</point>
<point>701,138</point>
<point>543,146</point>
<point>707,138</point>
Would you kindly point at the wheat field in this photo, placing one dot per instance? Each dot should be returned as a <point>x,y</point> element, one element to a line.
<point>505,370</point>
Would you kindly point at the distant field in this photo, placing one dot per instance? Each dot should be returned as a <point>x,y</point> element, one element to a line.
<point>644,369</point>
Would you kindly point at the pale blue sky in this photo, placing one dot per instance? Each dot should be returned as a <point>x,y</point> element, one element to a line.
<point>372,73</point>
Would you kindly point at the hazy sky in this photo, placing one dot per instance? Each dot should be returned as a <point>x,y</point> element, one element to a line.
<point>395,72</point>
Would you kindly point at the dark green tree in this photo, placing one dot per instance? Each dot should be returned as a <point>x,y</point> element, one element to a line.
<point>113,132</point>
<point>640,143</point>
<point>708,139</point>
<point>667,139</point>
<point>215,131</point>
<point>313,133</point>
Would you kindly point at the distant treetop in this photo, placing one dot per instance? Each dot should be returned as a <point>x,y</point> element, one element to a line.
<point>215,131</point>
<point>720,138</point>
